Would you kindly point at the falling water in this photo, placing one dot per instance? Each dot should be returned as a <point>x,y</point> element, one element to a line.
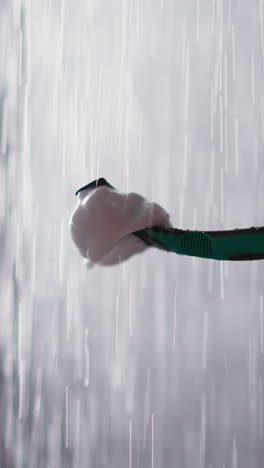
<point>157,362</point>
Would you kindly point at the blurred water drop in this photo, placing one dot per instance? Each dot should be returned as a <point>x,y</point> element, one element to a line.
<point>87,358</point>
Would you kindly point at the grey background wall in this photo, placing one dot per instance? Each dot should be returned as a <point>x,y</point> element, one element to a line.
<point>159,361</point>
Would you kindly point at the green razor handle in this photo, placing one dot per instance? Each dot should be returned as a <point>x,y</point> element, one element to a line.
<point>236,244</point>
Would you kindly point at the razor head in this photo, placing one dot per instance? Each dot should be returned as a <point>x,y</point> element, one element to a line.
<point>95,184</point>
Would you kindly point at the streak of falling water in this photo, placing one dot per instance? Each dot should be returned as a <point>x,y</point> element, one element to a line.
<point>197,21</point>
<point>130,443</point>
<point>261,26</point>
<point>203,430</point>
<point>87,358</point>
<point>146,408</point>
<point>233,53</point>
<point>234,454</point>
